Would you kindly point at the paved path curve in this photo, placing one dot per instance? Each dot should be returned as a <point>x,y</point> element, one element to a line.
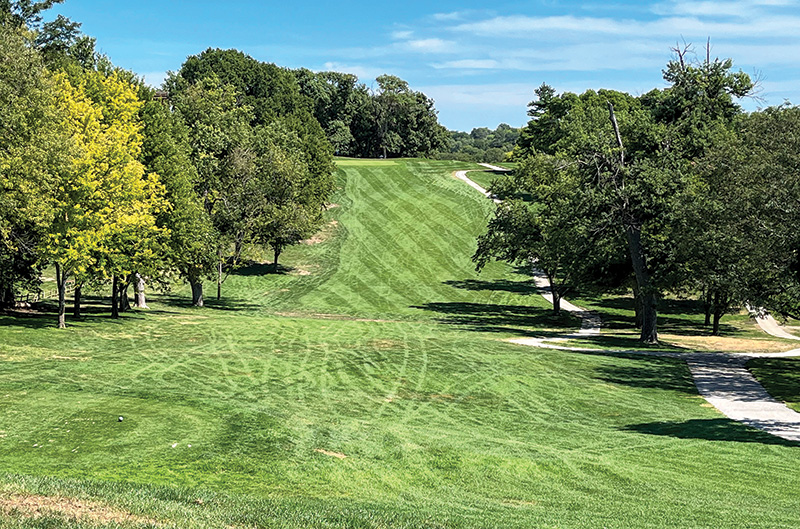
<point>770,326</point>
<point>721,378</point>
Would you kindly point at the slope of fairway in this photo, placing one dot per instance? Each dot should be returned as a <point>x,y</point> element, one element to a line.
<point>404,233</point>
<point>368,386</point>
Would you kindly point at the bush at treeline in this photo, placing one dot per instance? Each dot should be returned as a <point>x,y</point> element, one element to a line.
<point>481,145</point>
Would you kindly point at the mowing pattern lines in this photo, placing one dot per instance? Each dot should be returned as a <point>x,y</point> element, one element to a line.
<point>409,233</point>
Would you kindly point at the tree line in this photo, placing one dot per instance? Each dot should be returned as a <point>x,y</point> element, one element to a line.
<point>677,191</point>
<point>108,181</point>
<point>481,144</point>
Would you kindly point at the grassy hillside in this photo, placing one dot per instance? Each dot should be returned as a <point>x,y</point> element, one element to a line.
<point>367,386</point>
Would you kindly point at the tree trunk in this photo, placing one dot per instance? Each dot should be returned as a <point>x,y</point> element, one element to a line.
<point>139,297</point>
<point>707,305</point>
<point>719,310</point>
<point>637,303</point>
<point>124,300</point>
<point>115,297</point>
<point>219,279</point>
<point>7,298</point>
<point>277,253</point>
<point>717,317</point>
<point>197,292</point>
<point>649,311</point>
<point>556,301</point>
<point>61,280</point>
<point>76,301</point>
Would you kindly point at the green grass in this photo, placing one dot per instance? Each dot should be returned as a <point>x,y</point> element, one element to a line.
<point>781,378</point>
<point>368,386</point>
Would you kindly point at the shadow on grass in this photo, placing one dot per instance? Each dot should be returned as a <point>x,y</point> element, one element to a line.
<point>210,302</point>
<point>516,319</point>
<point>709,430</point>
<point>675,316</point>
<point>525,288</point>
<point>780,377</point>
<point>94,311</point>
<point>261,269</point>
<point>667,374</point>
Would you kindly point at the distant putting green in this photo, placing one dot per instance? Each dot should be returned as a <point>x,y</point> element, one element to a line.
<point>368,385</point>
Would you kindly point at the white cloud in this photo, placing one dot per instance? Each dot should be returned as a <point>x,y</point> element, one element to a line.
<point>154,79</point>
<point>402,34</point>
<point>715,8</point>
<point>498,95</point>
<point>430,45</point>
<point>448,17</point>
<point>527,27</point>
<point>468,64</point>
<point>364,73</point>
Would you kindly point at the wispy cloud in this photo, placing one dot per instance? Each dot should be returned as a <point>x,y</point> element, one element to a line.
<point>448,17</point>
<point>402,34</point>
<point>533,28</point>
<point>739,9</point>
<point>154,79</point>
<point>430,45</point>
<point>365,74</point>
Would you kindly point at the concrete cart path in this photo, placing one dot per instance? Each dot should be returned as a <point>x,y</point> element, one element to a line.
<point>770,326</point>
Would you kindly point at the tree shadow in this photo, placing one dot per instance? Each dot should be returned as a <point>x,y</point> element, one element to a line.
<point>669,312</point>
<point>486,317</point>
<point>525,288</point>
<point>710,430</point>
<point>780,376</point>
<point>210,302</point>
<point>653,372</point>
<point>261,269</point>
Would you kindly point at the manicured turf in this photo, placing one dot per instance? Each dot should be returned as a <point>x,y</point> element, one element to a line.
<point>368,386</point>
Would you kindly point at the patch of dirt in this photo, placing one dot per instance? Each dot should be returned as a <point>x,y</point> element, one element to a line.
<point>724,344</point>
<point>337,455</point>
<point>34,507</point>
<point>324,234</point>
<point>300,272</point>
<point>331,206</point>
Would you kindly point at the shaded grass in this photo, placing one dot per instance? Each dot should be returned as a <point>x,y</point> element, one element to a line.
<point>781,378</point>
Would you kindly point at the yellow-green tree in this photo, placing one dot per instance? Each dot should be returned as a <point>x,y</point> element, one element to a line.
<point>104,203</point>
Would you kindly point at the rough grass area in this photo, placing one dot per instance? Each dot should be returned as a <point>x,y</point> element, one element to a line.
<point>375,391</point>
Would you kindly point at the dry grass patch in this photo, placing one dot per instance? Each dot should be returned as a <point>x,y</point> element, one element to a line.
<point>324,234</point>
<point>34,507</point>
<point>337,455</point>
<point>724,344</point>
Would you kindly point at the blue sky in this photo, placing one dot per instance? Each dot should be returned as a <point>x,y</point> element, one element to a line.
<point>480,61</point>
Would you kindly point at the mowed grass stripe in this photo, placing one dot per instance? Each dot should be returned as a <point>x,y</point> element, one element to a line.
<point>408,233</point>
